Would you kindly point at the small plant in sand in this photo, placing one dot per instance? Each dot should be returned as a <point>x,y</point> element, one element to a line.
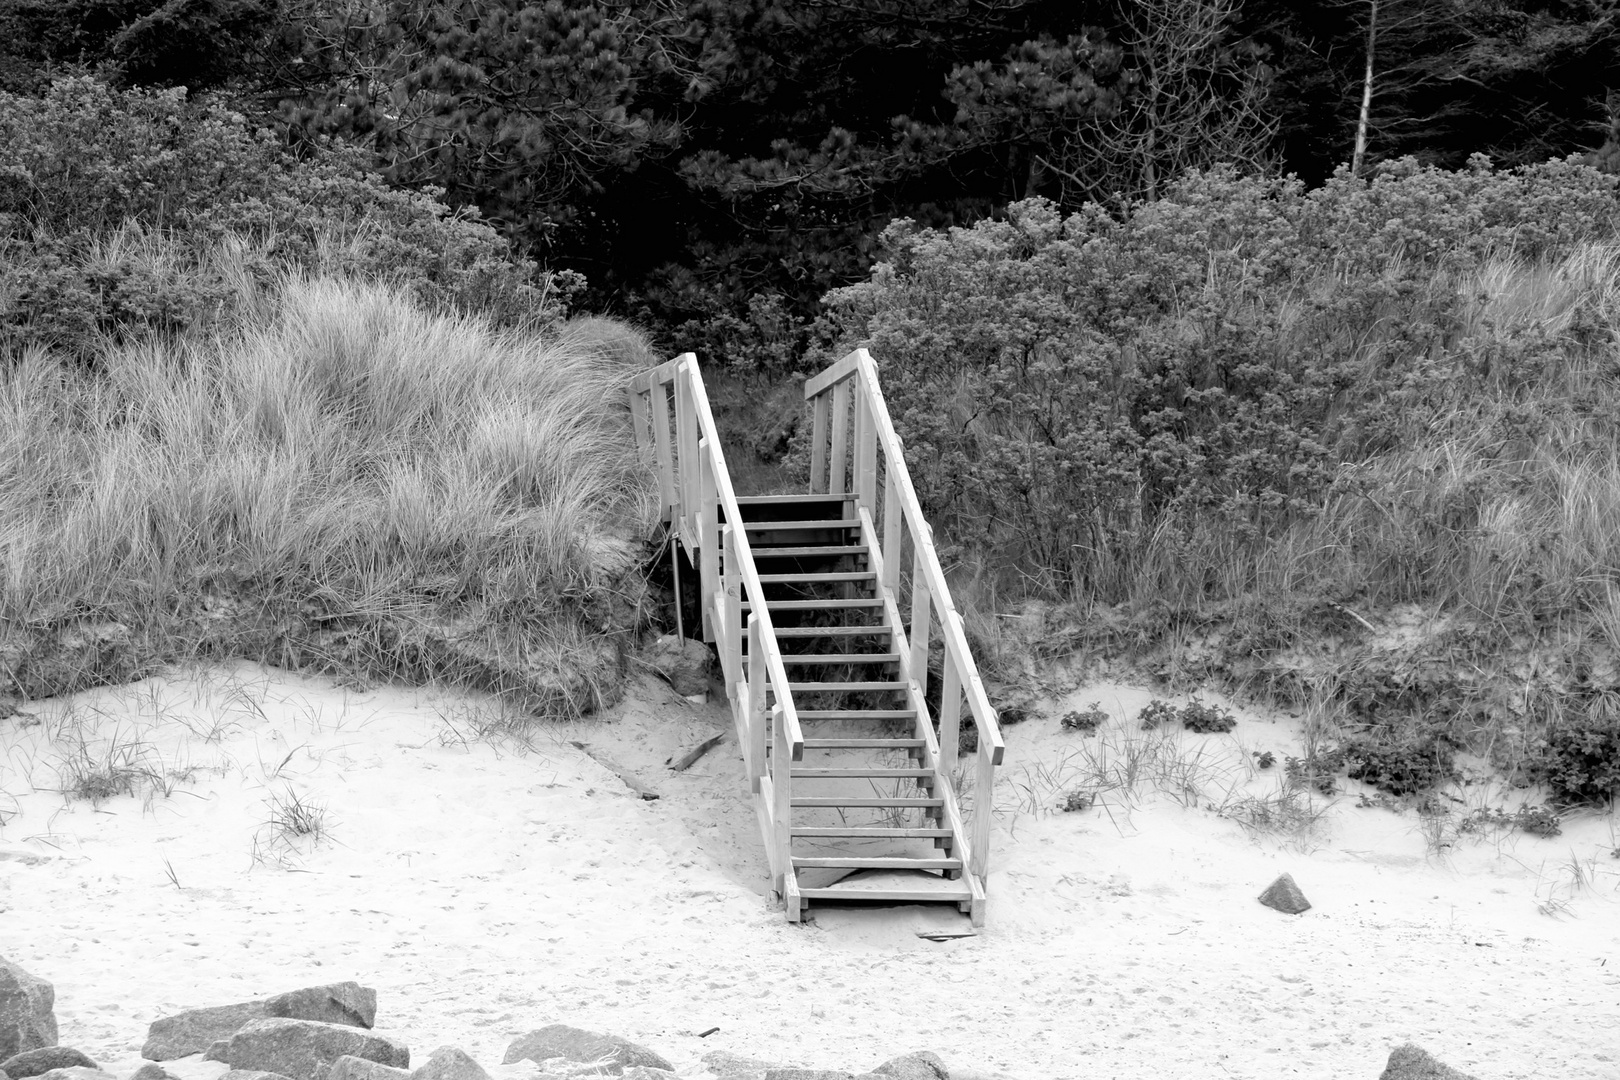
<point>1318,769</point>
<point>1086,722</point>
<point>1206,719</point>
<point>1156,714</point>
<point>1541,821</point>
<point>97,772</point>
<point>295,825</point>
<point>1077,800</point>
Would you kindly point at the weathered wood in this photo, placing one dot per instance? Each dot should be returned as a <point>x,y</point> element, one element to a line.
<point>984,806</point>
<point>834,373</point>
<point>709,557</point>
<point>820,408</point>
<point>893,529</point>
<point>950,713</point>
<point>757,712</point>
<point>782,789</point>
<point>838,462</point>
<point>688,759</point>
<point>630,779</point>
<point>921,630</point>
<point>658,401</point>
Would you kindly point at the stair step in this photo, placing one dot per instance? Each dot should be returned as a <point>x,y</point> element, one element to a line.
<point>796,497</point>
<point>864,774</point>
<point>816,579</point>
<point>815,605</point>
<point>872,801</point>
<point>862,744</point>
<point>802,862</point>
<point>832,631</point>
<point>800,526</point>
<point>870,832</point>
<point>857,714</point>
<point>833,892</point>
<point>841,687</point>
<point>840,658</point>
<point>772,551</point>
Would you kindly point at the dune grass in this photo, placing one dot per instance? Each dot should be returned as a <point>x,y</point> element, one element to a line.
<point>338,479</point>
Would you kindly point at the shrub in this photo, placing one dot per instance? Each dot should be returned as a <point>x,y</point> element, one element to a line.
<point>1580,761</point>
<point>1407,767</point>
<point>1206,719</point>
<point>1077,800</point>
<point>1087,722</point>
<point>1318,769</point>
<point>1121,407</point>
<point>1156,714</point>
<point>112,203</point>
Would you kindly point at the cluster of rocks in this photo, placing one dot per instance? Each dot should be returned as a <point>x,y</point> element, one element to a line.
<point>324,1033</point>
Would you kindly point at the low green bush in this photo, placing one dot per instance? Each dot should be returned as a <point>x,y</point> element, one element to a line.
<point>1406,767</point>
<point>114,204</point>
<point>1580,760</point>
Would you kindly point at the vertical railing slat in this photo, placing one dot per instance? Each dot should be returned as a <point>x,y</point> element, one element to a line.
<point>839,461</point>
<point>818,443</point>
<point>921,622</point>
<point>984,806</point>
<point>667,494</point>
<point>782,789</point>
<point>709,556</point>
<point>758,707</point>
<point>893,528</point>
<point>950,710</point>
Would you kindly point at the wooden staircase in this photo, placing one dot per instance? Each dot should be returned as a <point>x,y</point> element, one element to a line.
<point>801,595</point>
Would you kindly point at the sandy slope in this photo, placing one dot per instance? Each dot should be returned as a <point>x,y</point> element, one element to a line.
<point>486,889</point>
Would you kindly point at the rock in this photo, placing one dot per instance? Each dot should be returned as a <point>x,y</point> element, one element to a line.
<point>152,1072</point>
<point>251,1074</point>
<point>643,1072</point>
<point>340,1003</point>
<point>355,1068</point>
<point>27,1019</point>
<point>1412,1062</point>
<point>611,1053</point>
<point>683,661</point>
<point>808,1074</point>
<point>196,1030</point>
<point>1284,896</point>
<point>304,1049</point>
<point>920,1065</point>
<point>34,1062</point>
<point>448,1063</point>
<point>729,1066</point>
<point>76,1072</point>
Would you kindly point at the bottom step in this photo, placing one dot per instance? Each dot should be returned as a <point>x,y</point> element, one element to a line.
<point>920,896</point>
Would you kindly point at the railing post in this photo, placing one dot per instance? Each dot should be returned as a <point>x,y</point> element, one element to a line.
<point>667,495</point>
<point>984,805</point>
<point>921,619</point>
<point>686,439</point>
<point>709,530</point>
<point>782,788</point>
<point>818,443</point>
<point>839,460</point>
<point>893,529</point>
<point>865,469</point>
<point>950,708</point>
<point>732,586</point>
<point>758,707</point>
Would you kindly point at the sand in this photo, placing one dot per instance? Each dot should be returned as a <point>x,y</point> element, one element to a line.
<point>485,888</point>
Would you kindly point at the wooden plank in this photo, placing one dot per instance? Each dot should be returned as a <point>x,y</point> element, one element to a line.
<point>950,713</point>
<point>755,744</point>
<point>631,780</point>
<point>857,714</point>
<point>818,498</point>
<point>770,551</point>
<point>873,833</point>
<point>820,407</point>
<point>667,494</point>
<point>817,605</point>
<point>841,687</point>
<point>765,812</point>
<point>893,528</point>
<point>797,525</point>
<point>838,462</point>
<point>842,369</point>
<point>733,599</point>
<point>817,578</point>
<point>863,744</point>
<point>782,785</point>
<point>863,801</point>
<point>792,898</point>
<point>841,658</point>
<point>834,631</point>
<point>865,469</point>
<point>688,759</point>
<point>984,805</point>
<point>865,774</point>
<point>888,895</point>
<point>921,630</point>
<point>639,423</point>
<point>709,554</point>
<point>854,863</point>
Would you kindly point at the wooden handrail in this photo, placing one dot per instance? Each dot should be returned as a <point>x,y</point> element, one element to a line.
<point>847,396</point>
<point>681,481</point>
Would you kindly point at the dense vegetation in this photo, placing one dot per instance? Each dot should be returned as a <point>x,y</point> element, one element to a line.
<point>1233,328</point>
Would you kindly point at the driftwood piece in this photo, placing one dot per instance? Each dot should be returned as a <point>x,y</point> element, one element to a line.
<point>686,760</point>
<point>631,780</point>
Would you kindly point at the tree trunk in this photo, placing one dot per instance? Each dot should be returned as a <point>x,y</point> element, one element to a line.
<point>1366,90</point>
